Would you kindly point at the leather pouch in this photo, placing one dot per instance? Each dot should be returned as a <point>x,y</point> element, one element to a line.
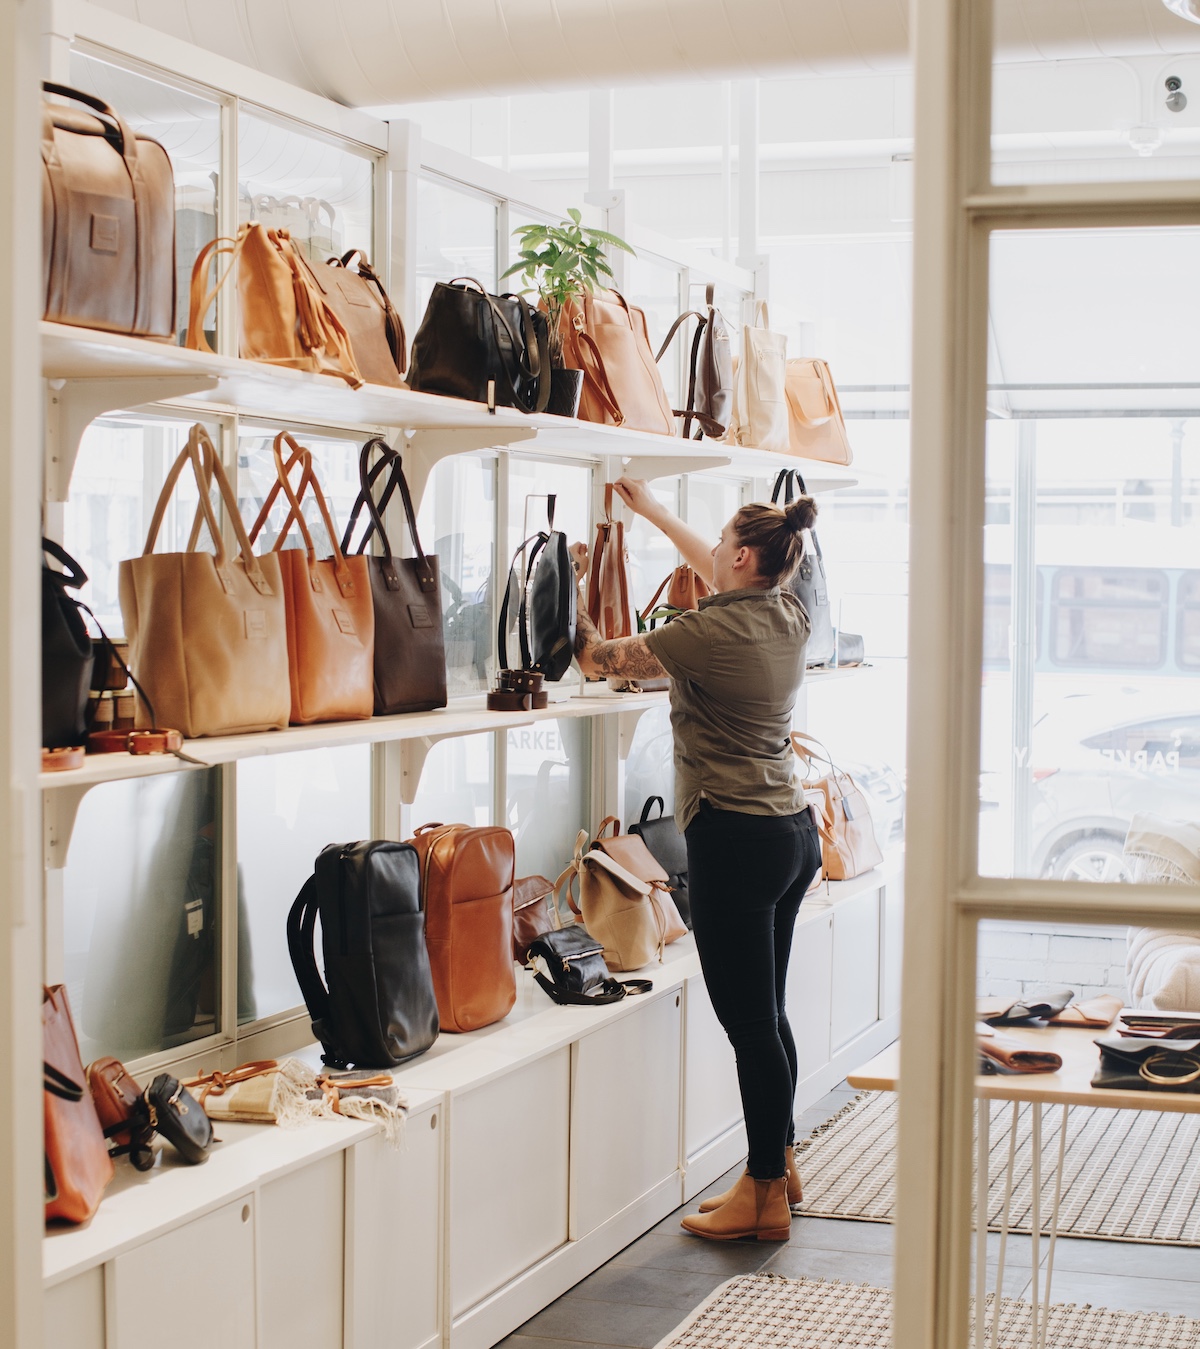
<point>77,1164</point>
<point>575,973</point>
<point>1003,1054</point>
<point>668,847</point>
<point>1038,1005</point>
<point>1128,1064</point>
<point>175,1113</point>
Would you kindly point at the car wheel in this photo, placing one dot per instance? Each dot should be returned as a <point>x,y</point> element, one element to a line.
<point>1098,858</point>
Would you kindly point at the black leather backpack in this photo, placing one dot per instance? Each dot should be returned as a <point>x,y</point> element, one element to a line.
<point>668,847</point>
<point>546,610</point>
<point>376,1007</point>
<point>67,656</point>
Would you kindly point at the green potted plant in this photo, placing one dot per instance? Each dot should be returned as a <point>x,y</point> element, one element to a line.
<point>562,263</point>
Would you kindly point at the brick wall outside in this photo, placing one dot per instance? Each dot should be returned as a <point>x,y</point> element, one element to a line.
<point>1014,960</point>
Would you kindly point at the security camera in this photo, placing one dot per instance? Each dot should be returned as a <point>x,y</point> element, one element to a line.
<point>1176,98</point>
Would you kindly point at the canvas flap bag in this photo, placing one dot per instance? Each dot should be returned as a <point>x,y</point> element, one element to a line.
<point>357,296</point>
<point>207,632</point>
<point>816,427</point>
<point>760,416</point>
<point>848,843</point>
<point>710,371</point>
<point>410,649</point>
<point>608,577</point>
<point>108,221</point>
<point>668,847</point>
<point>467,877</point>
<point>67,654</point>
<point>631,851</point>
<point>330,613</point>
<point>78,1166</point>
<point>809,583</point>
<point>608,339</point>
<point>546,608</point>
<point>375,1005</point>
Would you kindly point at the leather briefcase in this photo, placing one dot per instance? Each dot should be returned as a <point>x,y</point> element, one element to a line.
<point>608,339</point>
<point>375,330</point>
<point>108,221</point>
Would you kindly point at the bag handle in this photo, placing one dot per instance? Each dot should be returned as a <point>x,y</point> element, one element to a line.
<point>762,317</point>
<point>217,1083</point>
<point>58,1084</point>
<point>396,480</point>
<point>604,823</point>
<point>301,926</point>
<point>650,800</point>
<point>796,407</point>
<point>72,573</point>
<point>675,327</point>
<point>567,877</point>
<point>199,296</point>
<point>538,541</point>
<point>308,479</point>
<point>649,609</point>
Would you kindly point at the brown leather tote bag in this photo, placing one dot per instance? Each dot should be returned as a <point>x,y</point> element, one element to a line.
<point>410,648</point>
<point>375,330</point>
<point>78,1166</point>
<point>330,617</point>
<point>108,221</point>
<point>608,577</point>
<point>607,338</point>
<point>207,632</point>
<point>685,589</point>
<point>467,879</point>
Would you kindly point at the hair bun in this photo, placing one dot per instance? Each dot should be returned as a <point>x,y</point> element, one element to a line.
<point>800,514</point>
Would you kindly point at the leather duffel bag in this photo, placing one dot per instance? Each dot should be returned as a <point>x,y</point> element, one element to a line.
<point>607,338</point>
<point>108,221</point>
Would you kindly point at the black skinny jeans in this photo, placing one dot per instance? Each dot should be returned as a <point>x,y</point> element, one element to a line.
<point>746,877</point>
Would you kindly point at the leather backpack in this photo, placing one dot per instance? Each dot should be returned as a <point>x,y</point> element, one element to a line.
<point>467,879</point>
<point>710,371</point>
<point>668,847</point>
<point>607,338</point>
<point>67,654</point>
<point>809,584</point>
<point>375,1007</point>
<point>546,607</point>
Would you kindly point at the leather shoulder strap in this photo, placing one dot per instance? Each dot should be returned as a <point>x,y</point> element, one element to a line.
<point>301,927</point>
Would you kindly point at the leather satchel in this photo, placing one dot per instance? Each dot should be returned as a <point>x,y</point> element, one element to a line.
<point>668,847</point>
<point>608,577</point>
<point>67,653</point>
<point>330,613</point>
<point>108,221</point>
<point>375,1006</point>
<point>467,887</point>
<point>532,915</point>
<point>608,339</point>
<point>207,632</point>
<point>685,589</point>
<point>375,329</point>
<point>816,427</point>
<point>710,371</point>
<point>760,417</point>
<point>77,1165</point>
<point>848,844</point>
<point>546,609</point>
<point>492,349</point>
<point>410,648</point>
<point>809,583</point>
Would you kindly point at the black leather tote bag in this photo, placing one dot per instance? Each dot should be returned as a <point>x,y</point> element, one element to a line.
<point>410,647</point>
<point>376,1006</point>
<point>470,342</point>
<point>809,584</point>
<point>668,847</point>
<point>546,612</point>
<point>67,657</point>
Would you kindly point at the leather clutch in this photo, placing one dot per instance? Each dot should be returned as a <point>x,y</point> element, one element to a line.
<point>1147,1065</point>
<point>1003,1054</point>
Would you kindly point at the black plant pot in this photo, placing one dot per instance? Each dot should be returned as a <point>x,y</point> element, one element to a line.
<point>565,388</point>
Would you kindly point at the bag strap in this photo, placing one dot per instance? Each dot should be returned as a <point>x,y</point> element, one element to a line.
<point>604,823</point>
<point>598,376</point>
<point>785,484</point>
<point>675,327</point>
<point>217,1083</point>
<point>320,330</point>
<point>650,800</point>
<point>762,318</point>
<point>72,573</point>
<point>301,928</point>
<point>396,481</point>
<point>611,990</point>
<point>650,608</point>
<point>59,1084</point>
<point>200,297</point>
<point>538,541</point>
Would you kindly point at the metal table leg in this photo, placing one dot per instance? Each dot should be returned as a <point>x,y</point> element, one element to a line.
<point>1004,1221</point>
<point>983,1110</point>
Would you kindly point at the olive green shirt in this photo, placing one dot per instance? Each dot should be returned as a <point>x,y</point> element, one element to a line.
<point>735,665</point>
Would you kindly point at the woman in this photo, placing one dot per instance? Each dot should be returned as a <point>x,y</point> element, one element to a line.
<point>753,849</point>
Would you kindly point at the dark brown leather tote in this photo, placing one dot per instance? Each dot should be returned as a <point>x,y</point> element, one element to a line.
<point>108,221</point>
<point>410,647</point>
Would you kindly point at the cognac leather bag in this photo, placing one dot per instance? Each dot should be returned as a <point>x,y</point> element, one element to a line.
<point>78,1166</point>
<point>108,221</point>
<point>809,583</point>
<point>848,843</point>
<point>67,652</point>
<point>366,312</point>
<point>607,338</point>
<point>207,632</point>
<point>467,889</point>
<point>685,589</point>
<point>760,416</point>
<point>710,371</point>
<point>668,847</point>
<point>608,577</point>
<point>546,609</point>
<point>119,1108</point>
<point>330,614</point>
<point>534,913</point>
<point>816,427</point>
<point>410,649</point>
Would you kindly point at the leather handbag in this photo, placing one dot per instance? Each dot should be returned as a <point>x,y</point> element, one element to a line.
<point>330,613</point>
<point>77,1165</point>
<point>569,967</point>
<point>410,648</point>
<point>207,632</point>
<point>119,1108</point>
<point>809,584</point>
<point>710,371</point>
<point>174,1112</point>
<point>608,577</point>
<point>668,847</point>
<point>816,427</point>
<point>108,221</point>
<point>376,331</point>
<point>760,417</point>
<point>67,653</point>
<point>467,888</point>
<point>532,915</point>
<point>492,349</point>
<point>1128,1064</point>
<point>608,339</point>
<point>848,843</point>
<point>284,316</point>
<point>631,852</point>
<point>546,607</point>
<point>375,1005</point>
<point>685,589</point>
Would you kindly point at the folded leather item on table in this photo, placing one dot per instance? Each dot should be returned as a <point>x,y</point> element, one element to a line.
<point>1003,1054</point>
<point>1038,1005</point>
<point>1128,1064</point>
<point>1160,1025</point>
<point>1096,1013</point>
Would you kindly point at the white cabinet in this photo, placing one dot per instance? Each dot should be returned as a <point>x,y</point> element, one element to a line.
<point>625,1096</point>
<point>809,989</point>
<point>893,937</point>
<point>73,1312</point>
<point>300,1257</point>
<point>712,1101</point>
<point>856,947</point>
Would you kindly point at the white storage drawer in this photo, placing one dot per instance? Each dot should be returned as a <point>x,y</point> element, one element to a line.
<point>856,949</point>
<point>73,1312</point>
<point>809,990</point>
<point>301,1254</point>
<point>712,1103</point>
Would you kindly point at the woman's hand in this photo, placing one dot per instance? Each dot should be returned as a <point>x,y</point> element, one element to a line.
<point>579,559</point>
<point>636,494</point>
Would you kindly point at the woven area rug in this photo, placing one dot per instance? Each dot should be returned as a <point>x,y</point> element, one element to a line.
<point>766,1311</point>
<point>1129,1175</point>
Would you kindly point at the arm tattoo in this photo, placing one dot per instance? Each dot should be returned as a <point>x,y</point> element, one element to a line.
<point>627,657</point>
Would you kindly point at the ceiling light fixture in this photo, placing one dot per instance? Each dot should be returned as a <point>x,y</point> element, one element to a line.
<point>1186,9</point>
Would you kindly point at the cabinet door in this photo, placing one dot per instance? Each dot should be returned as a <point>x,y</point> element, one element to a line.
<point>73,1312</point>
<point>809,983</point>
<point>893,943</point>
<point>625,1098</point>
<point>856,943</point>
<point>301,1247</point>
<point>394,1238</point>
<point>508,1145</point>
<point>712,1102</point>
<point>193,1285</point>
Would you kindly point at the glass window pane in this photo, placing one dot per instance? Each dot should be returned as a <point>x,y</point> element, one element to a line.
<point>652,555</point>
<point>654,284</point>
<point>289,807</point>
<point>336,464</point>
<point>1109,617</point>
<point>1188,621</point>
<point>650,766</point>
<point>142,903</point>
<point>457,782</point>
<point>710,504</point>
<point>456,236</point>
<point>529,483</point>
<point>548,792</point>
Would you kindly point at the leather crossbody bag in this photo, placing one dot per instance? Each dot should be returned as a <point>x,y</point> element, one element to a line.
<point>710,371</point>
<point>120,1109</point>
<point>174,1112</point>
<point>569,967</point>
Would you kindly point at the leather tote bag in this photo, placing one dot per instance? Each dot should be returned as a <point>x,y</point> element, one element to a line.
<point>284,317</point>
<point>546,609</point>
<point>816,427</point>
<point>330,613</point>
<point>207,631</point>
<point>375,1006</point>
<point>467,880</point>
<point>668,847</point>
<point>607,338</point>
<point>67,657</point>
<point>608,577</point>
<point>848,843</point>
<point>809,583</point>
<point>492,349</point>
<point>761,410</point>
<point>108,221</point>
<point>78,1166</point>
<point>358,298</point>
<point>685,589</point>
<point>710,372</point>
<point>410,649</point>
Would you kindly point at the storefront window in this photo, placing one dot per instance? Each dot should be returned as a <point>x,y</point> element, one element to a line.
<point>456,236</point>
<point>548,790</point>
<point>456,782</point>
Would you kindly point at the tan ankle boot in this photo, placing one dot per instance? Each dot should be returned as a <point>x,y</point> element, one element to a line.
<point>755,1208</point>
<point>795,1191</point>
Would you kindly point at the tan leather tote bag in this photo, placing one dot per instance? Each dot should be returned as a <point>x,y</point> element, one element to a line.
<point>848,843</point>
<point>207,633</point>
<point>608,577</point>
<point>760,417</point>
<point>330,614</point>
<point>607,338</point>
<point>816,427</point>
<point>356,295</point>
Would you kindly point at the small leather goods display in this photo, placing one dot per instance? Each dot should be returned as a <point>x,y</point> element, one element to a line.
<point>375,1006</point>
<point>668,847</point>
<point>120,1109</point>
<point>608,577</point>
<point>174,1112</point>
<point>760,407</point>
<point>492,349</point>
<point>1160,1025</point>
<point>848,843</point>
<point>532,914</point>
<point>467,877</point>
<point>330,615</point>
<point>569,967</point>
<point>77,1163</point>
<point>67,652</point>
<point>816,427</point>
<point>1131,1064</point>
<point>207,631</point>
<point>1041,1004</point>
<point>608,339</point>
<point>376,331</point>
<point>284,315</point>
<point>108,221</point>
<point>710,371</point>
<point>684,588</point>
<point>1005,1054</point>
<point>410,649</point>
<point>809,584</point>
